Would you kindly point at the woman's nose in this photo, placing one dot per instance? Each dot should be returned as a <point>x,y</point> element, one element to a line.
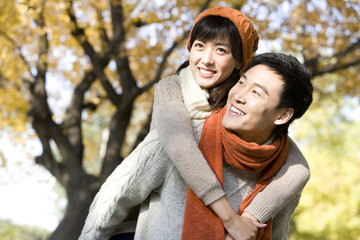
<point>207,58</point>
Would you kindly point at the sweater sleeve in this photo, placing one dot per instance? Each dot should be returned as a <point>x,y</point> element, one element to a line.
<point>173,123</point>
<point>281,221</point>
<point>129,185</point>
<point>288,183</point>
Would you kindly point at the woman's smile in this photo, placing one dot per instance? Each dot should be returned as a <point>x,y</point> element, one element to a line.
<point>211,62</point>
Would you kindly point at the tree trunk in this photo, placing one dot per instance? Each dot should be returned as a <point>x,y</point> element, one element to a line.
<point>79,201</point>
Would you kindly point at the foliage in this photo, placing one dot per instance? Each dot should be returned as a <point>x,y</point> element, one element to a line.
<point>330,204</point>
<point>10,231</point>
<point>81,73</point>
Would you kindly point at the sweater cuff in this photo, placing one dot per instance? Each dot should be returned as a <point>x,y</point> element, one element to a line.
<point>211,195</point>
<point>259,211</point>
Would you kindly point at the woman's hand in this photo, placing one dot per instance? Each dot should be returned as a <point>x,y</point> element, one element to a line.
<point>239,227</point>
<point>242,228</point>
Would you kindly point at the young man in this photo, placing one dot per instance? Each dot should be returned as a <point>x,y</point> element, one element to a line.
<point>245,143</point>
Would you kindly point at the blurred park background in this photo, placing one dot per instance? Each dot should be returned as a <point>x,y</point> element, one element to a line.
<point>76,89</point>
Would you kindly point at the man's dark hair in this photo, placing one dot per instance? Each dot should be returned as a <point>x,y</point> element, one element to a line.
<point>297,88</point>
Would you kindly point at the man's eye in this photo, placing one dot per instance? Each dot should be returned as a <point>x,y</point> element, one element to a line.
<point>256,93</point>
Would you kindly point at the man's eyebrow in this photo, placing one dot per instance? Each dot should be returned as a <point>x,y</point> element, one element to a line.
<point>262,88</point>
<point>243,75</point>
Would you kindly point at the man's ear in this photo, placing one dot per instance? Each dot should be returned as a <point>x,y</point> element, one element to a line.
<point>284,116</point>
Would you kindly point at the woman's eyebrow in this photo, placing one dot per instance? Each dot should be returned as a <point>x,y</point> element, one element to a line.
<point>222,44</point>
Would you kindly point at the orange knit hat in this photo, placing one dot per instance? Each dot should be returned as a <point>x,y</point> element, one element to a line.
<point>248,34</point>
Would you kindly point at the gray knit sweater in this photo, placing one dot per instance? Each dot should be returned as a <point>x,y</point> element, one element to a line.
<point>148,176</point>
<point>174,121</point>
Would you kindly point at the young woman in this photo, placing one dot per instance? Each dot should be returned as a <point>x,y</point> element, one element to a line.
<point>222,42</point>
<point>173,122</point>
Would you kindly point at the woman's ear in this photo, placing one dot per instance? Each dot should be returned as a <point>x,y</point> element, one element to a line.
<point>238,65</point>
<point>284,116</point>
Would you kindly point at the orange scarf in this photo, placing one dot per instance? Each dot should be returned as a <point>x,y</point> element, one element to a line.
<point>218,145</point>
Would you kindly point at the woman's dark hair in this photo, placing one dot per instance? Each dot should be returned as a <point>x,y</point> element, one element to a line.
<point>211,28</point>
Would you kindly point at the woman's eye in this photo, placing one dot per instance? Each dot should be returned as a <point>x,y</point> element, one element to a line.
<point>198,45</point>
<point>222,50</point>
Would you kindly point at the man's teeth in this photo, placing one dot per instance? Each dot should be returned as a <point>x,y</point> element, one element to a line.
<point>235,110</point>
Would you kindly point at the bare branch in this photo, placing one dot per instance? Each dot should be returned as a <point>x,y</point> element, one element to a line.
<point>103,35</point>
<point>314,63</point>
<point>40,112</point>
<point>72,121</point>
<point>79,34</point>
<point>75,107</point>
<point>98,62</point>
<point>38,104</point>
<point>46,158</point>
<point>117,46</point>
<point>336,67</point>
<point>349,49</point>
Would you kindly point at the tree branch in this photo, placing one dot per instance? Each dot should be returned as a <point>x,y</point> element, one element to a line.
<point>99,63</point>
<point>39,107</point>
<point>336,67</point>
<point>103,35</point>
<point>314,63</point>
<point>72,121</point>
<point>349,49</point>
<point>46,159</point>
<point>127,80</point>
<point>39,110</point>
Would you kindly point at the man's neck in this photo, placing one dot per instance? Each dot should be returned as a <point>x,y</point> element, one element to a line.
<point>259,138</point>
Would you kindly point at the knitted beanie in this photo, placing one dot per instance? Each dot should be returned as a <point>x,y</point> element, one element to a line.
<point>248,34</point>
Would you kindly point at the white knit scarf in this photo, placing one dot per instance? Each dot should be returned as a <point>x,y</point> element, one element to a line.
<point>195,97</point>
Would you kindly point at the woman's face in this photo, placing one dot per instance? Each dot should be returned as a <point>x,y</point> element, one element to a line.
<point>211,62</point>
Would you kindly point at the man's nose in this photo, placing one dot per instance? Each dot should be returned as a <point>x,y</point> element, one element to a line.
<point>241,95</point>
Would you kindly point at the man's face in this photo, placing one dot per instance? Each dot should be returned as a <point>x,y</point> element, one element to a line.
<point>251,111</point>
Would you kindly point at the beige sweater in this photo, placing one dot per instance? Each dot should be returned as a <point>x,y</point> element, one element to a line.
<point>147,176</point>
